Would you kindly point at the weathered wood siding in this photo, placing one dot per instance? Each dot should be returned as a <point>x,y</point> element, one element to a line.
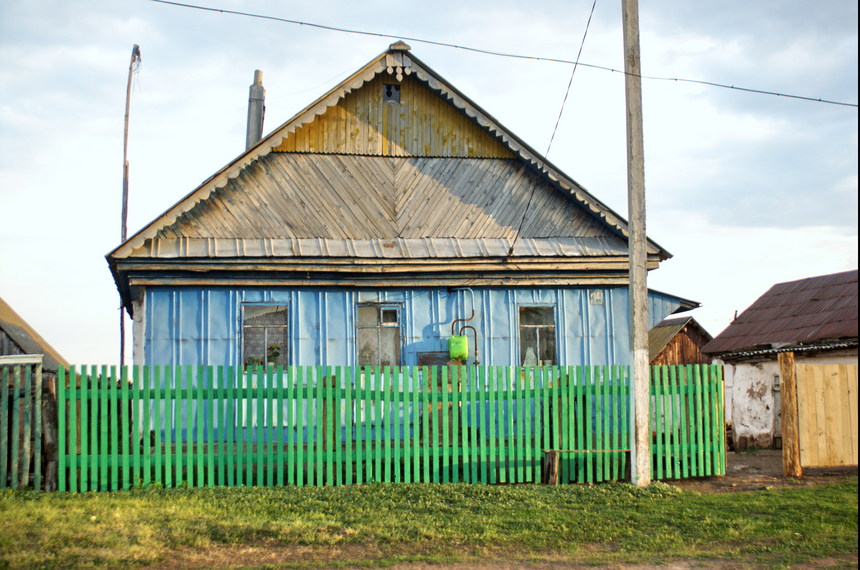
<point>684,348</point>
<point>348,197</point>
<point>421,124</point>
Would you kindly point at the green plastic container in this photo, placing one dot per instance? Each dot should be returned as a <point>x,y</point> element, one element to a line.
<point>458,347</point>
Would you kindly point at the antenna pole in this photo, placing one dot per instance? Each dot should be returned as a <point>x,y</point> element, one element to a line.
<point>135,58</point>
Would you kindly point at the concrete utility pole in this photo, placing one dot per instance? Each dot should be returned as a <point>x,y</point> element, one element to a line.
<point>640,472</point>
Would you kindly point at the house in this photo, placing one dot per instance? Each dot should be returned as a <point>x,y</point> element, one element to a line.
<point>393,221</point>
<point>678,341</point>
<point>815,318</point>
<point>18,337</point>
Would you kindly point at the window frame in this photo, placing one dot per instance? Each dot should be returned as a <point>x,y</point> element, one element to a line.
<point>554,326</point>
<point>378,327</point>
<point>284,354</point>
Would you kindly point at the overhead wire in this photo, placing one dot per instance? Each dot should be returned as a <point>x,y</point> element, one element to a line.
<point>552,137</point>
<point>504,54</point>
<point>569,83</point>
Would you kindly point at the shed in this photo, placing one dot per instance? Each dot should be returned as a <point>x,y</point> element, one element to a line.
<point>815,318</point>
<point>389,215</point>
<point>678,341</point>
<point>28,409</point>
<point>18,337</point>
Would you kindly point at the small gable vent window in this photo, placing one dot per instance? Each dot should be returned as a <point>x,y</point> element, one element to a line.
<point>391,93</point>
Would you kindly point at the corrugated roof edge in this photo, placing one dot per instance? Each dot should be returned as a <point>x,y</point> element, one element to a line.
<point>752,352</point>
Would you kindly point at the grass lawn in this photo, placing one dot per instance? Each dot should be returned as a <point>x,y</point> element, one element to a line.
<point>384,525</point>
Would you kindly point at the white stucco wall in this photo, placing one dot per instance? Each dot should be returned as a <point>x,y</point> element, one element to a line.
<point>752,404</point>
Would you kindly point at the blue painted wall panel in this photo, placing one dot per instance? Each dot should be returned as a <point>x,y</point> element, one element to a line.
<point>194,325</point>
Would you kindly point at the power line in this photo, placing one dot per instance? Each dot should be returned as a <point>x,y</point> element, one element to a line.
<point>555,128</point>
<point>551,138</point>
<point>569,83</point>
<point>504,54</point>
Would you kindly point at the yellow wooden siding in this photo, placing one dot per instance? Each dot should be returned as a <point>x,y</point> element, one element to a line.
<point>422,124</point>
<point>827,414</point>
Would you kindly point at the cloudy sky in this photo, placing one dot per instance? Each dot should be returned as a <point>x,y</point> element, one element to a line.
<point>746,190</point>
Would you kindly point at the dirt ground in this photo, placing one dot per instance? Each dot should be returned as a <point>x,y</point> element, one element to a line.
<point>760,469</point>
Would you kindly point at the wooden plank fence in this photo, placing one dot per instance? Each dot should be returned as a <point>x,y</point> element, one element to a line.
<point>20,421</point>
<point>224,426</point>
<point>819,415</point>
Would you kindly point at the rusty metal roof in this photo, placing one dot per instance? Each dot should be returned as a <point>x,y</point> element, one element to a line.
<point>27,339</point>
<point>797,313</point>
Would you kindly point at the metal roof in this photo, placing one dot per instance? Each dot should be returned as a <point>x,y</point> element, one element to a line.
<point>803,313</point>
<point>27,339</point>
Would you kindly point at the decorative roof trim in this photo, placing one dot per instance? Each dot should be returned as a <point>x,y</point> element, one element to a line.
<point>395,60</point>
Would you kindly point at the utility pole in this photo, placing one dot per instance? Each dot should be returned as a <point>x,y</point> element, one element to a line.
<point>135,58</point>
<point>640,472</point>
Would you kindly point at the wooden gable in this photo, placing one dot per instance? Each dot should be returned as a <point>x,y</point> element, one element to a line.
<point>678,341</point>
<point>420,123</point>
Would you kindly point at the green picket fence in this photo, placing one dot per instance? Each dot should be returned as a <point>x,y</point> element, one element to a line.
<point>687,421</point>
<point>223,426</point>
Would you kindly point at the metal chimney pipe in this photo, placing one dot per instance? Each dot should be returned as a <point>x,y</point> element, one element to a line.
<point>256,111</point>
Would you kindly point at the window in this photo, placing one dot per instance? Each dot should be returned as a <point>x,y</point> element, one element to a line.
<point>537,336</point>
<point>378,335</point>
<point>264,335</point>
<point>391,93</point>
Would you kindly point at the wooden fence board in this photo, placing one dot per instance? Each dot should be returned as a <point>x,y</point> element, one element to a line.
<point>826,414</point>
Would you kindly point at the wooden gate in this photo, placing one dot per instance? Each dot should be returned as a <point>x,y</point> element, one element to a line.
<point>819,415</point>
<point>827,414</point>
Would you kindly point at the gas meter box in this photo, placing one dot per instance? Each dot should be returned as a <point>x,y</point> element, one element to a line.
<point>458,347</point>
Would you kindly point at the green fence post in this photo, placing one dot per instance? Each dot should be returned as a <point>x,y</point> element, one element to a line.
<point>125,422</point>
<point>268,428</point>
<point>98,429</point>
<point>279,424</point>
<point>143,422</point>
<point>415,423</point>
<point>302,427</point>
<point>291,424</point>
<point>158,424</point>
<point>62,481</point>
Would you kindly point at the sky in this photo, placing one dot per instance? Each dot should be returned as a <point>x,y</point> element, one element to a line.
<point>744,189</point>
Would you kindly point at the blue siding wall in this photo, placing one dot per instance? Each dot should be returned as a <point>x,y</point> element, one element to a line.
<point>195,325</point>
